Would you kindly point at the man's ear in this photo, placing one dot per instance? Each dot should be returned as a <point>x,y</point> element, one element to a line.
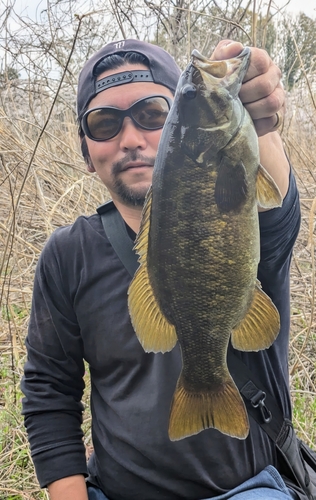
<point>89,164</point>
<point>86,155</point>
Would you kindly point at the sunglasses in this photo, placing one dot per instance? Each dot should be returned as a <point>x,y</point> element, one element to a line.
<point>105,122</point>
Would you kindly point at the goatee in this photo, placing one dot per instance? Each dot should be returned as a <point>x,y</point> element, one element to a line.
<point>130,196</point>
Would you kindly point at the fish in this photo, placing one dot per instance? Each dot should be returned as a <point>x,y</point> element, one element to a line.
<point>199,247</point>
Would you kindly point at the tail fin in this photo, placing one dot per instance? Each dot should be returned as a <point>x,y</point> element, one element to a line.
<point>193,412</point>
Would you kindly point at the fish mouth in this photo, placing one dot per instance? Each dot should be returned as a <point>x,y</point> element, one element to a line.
<point>220,69</point>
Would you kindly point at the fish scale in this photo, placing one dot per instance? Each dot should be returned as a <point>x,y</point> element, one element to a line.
<point>199,247</point>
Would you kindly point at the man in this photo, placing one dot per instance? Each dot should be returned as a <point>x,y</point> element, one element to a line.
<point>80,310</point>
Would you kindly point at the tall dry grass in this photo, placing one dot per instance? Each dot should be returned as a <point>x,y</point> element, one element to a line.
<point>35,198</point>
<point>46,186</point>
<point>299,140</point>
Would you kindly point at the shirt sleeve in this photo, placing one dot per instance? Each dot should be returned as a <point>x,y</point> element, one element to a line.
<point>53,377</point>
<point>279,228</point>
<point>278,231</point>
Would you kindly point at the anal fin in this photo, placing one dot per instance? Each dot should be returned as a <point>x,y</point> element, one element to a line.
<point>261,325</point>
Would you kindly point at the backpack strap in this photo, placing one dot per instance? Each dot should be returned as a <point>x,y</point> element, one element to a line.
<point>116,232</point>
<point>271,420</point>
<point>260,404</point>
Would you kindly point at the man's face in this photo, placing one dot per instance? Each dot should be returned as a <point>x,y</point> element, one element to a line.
<point>125,162</point>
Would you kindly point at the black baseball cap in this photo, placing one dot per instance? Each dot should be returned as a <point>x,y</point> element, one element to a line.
<point>162,69</point>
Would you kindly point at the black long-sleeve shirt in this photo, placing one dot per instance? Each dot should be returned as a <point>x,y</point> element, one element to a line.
<point>79,312</point>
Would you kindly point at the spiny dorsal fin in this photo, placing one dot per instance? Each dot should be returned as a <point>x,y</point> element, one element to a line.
<point>141,243</point>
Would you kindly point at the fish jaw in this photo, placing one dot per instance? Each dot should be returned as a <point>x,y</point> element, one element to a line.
<point>228,73</point>
<point>207,103</point>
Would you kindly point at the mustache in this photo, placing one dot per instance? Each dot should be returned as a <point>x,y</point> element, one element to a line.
<point>120,165</point>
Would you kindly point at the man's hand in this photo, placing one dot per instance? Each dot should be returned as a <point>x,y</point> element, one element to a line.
<point>262,92</point>
<point>263,96</point>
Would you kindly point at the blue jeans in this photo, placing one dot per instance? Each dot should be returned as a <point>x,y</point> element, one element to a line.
<point>267,485</point>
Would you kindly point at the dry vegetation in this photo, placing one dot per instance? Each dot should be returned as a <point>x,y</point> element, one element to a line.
<point>44,185</point>
<point>298,135</point>
<point>35,198</point>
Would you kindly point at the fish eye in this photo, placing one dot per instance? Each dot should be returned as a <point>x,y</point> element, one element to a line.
<point>189,91</point>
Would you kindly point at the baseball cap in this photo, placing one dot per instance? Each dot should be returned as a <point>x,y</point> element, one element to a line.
<point>162,69</point>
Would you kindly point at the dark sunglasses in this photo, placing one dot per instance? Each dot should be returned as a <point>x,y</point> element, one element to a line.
<point>105,122</point>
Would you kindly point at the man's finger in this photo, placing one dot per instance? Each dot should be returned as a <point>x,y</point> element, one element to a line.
<point>260,63</point>
<point>271,124</point>
<point>268,106</point>
<point>226,49</point>
<point>261,86</point>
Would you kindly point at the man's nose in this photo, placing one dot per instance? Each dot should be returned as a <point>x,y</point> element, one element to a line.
<point>131,136</point>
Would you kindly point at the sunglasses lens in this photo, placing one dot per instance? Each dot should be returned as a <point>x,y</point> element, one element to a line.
<point>103,123</point>
<point>150,113</point>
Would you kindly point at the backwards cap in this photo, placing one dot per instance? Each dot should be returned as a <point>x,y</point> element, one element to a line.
<point>162,69</point>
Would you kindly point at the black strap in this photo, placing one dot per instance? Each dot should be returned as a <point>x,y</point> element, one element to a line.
<point>262,407</point>
<point>123,77</point>
<point>260,404</point>
<point>115,229</point>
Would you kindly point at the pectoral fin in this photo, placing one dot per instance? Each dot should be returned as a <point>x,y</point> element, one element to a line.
<point>231,185</point>
<point>153,330</point>
<point>268,193</point>
<point>223,410</point>
<point>261,325</point>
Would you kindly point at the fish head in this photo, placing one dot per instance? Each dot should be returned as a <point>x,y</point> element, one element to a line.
<point>207,102</point>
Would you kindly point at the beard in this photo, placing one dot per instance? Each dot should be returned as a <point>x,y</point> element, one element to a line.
<point>130,196</point>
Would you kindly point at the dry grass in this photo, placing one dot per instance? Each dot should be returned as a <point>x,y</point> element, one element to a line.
<point>52,190</point>
<point>35,198</point>
<point>299,140</point>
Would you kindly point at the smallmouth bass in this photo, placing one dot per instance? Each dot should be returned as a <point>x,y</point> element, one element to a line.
<point>199,247</point>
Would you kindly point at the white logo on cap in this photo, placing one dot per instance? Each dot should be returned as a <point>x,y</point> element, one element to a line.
<point>119,45</point>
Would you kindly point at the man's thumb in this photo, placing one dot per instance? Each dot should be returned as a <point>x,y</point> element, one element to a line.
<point>226,49</point>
